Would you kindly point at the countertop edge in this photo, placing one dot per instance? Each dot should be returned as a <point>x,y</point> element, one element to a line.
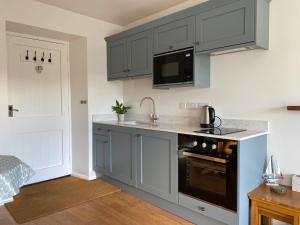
<point>252,134</point>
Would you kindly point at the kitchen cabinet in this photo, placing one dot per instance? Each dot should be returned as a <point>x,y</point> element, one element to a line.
<point>145,159</point>
<point>157,164</point>
<point>209,27</point>
<point>100,147</point>
<point>175,35</point>
<point>230,25</point>
<point>116,60</point>
<point>144,162</point>
<point>140,54</point>
<point>130,56</point>
<point>121,154</point>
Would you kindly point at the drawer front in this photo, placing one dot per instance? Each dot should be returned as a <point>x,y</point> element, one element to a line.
<point>100,129</point>
<point>176,35</point>
<point>209,210</point>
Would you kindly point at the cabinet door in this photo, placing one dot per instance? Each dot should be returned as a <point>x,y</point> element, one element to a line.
<point>157,164</point>
<point>140,54</point>
<point>116,60</point>
<point>100,149</point>
<point>121,155</point>
<point>176,35</point>
<point>226,26</point>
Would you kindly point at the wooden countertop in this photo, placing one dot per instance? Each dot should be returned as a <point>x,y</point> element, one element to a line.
<point>263,193</point>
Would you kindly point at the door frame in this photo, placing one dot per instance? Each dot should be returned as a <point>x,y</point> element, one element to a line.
<point>68,91</point>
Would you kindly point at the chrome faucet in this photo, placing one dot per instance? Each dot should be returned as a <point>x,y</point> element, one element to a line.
<point>153,115</point>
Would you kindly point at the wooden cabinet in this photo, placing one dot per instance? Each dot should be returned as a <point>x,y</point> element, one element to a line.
<point>230,25</point>
<point>145,159</point>
<point>157,164</point>
<point>140,54</point>
<point>175,35</point>
<point>130,56</point>
<point>116,60</point>
<point>121,152</point>
<point>100,149</point>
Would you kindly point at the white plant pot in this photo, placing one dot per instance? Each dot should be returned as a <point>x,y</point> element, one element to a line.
<point>121,117</point>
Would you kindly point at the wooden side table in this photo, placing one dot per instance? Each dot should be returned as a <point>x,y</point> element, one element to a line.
<point>266,205</point>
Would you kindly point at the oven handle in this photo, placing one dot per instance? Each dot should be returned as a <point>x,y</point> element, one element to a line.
<point>209,158</point>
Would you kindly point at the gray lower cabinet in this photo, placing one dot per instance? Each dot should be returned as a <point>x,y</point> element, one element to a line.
<point>175,35</point>
<point>226,26</point>
<point>130,56</point>
<point>157,164</point>
<point>121,155</point>
<point>100,149</point>
<point>116,59</point>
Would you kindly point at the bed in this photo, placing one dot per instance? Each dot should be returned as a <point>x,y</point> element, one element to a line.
<point>13,175</point>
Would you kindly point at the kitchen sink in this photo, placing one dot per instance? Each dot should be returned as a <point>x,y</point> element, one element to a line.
<point>134,122</point>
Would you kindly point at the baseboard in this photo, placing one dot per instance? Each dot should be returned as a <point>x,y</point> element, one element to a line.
<point>2,202</point>
<point>81,176</point>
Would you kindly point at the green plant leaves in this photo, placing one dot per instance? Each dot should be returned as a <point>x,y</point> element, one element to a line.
<point>119,108</point>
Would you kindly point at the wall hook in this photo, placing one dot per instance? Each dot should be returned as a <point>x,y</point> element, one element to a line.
<point>34,58</point>
<point>43,57</point>
<point>50,59</point>
<point>27,56</point>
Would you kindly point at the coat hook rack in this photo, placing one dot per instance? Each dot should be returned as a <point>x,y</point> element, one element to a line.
<point>27,55</point>
<point>34,58</point>
<point>50,59</point>
<point>43,57</point>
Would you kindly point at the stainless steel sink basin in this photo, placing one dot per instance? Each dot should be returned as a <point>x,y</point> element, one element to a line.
<point>134,122</point>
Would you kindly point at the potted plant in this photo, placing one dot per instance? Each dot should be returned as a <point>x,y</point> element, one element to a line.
<point>120,109</point>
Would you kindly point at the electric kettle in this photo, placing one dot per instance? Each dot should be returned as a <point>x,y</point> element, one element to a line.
<point>208,117</point>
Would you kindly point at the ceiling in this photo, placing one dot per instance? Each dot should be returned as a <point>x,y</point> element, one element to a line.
<point>121,12</point>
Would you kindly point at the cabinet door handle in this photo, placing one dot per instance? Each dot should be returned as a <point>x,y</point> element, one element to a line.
<point>197,43</point>
<point>201,208</point>
<point>105,142</point>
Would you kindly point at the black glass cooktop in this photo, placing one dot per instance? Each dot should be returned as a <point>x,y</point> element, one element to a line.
<point>219,131</point>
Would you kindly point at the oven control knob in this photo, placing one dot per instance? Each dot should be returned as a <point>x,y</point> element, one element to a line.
<point>204,145</point>
<point>214,146</point>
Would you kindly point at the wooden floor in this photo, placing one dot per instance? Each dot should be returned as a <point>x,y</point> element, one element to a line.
<point>116,209</point>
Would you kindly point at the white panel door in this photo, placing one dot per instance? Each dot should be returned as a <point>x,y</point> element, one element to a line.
<point>39,89</point>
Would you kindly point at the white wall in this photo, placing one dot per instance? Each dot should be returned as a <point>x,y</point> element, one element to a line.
<point>101,94</point>
<point>248,85</point>
<point>79,112</point>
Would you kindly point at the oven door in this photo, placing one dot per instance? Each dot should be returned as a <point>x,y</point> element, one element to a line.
<point>207,178</point>
<point>174,68</point>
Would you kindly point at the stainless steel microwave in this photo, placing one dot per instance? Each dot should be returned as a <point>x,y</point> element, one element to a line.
<point>174,68</point>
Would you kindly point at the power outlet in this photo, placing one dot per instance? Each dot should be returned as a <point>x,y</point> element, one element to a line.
<point>191,105</point>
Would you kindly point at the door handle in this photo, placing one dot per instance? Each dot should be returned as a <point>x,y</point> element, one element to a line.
<point>201,208</point>
<point>11,110</point>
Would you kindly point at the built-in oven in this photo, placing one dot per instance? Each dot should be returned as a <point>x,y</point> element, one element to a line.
<point>208,170</point>
<point>174,68</point>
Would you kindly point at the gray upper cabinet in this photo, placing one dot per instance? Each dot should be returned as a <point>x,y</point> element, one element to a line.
<point>175,35</point>
<point>100,149</point>
<point>140,54</point>
<point>230,25</point>
<point>116,59</point>
<point>130,56</point>
<point>121,155</point>
<point>157,164</point>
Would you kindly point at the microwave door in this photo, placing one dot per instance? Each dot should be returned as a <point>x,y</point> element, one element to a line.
<point>173,68</point>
